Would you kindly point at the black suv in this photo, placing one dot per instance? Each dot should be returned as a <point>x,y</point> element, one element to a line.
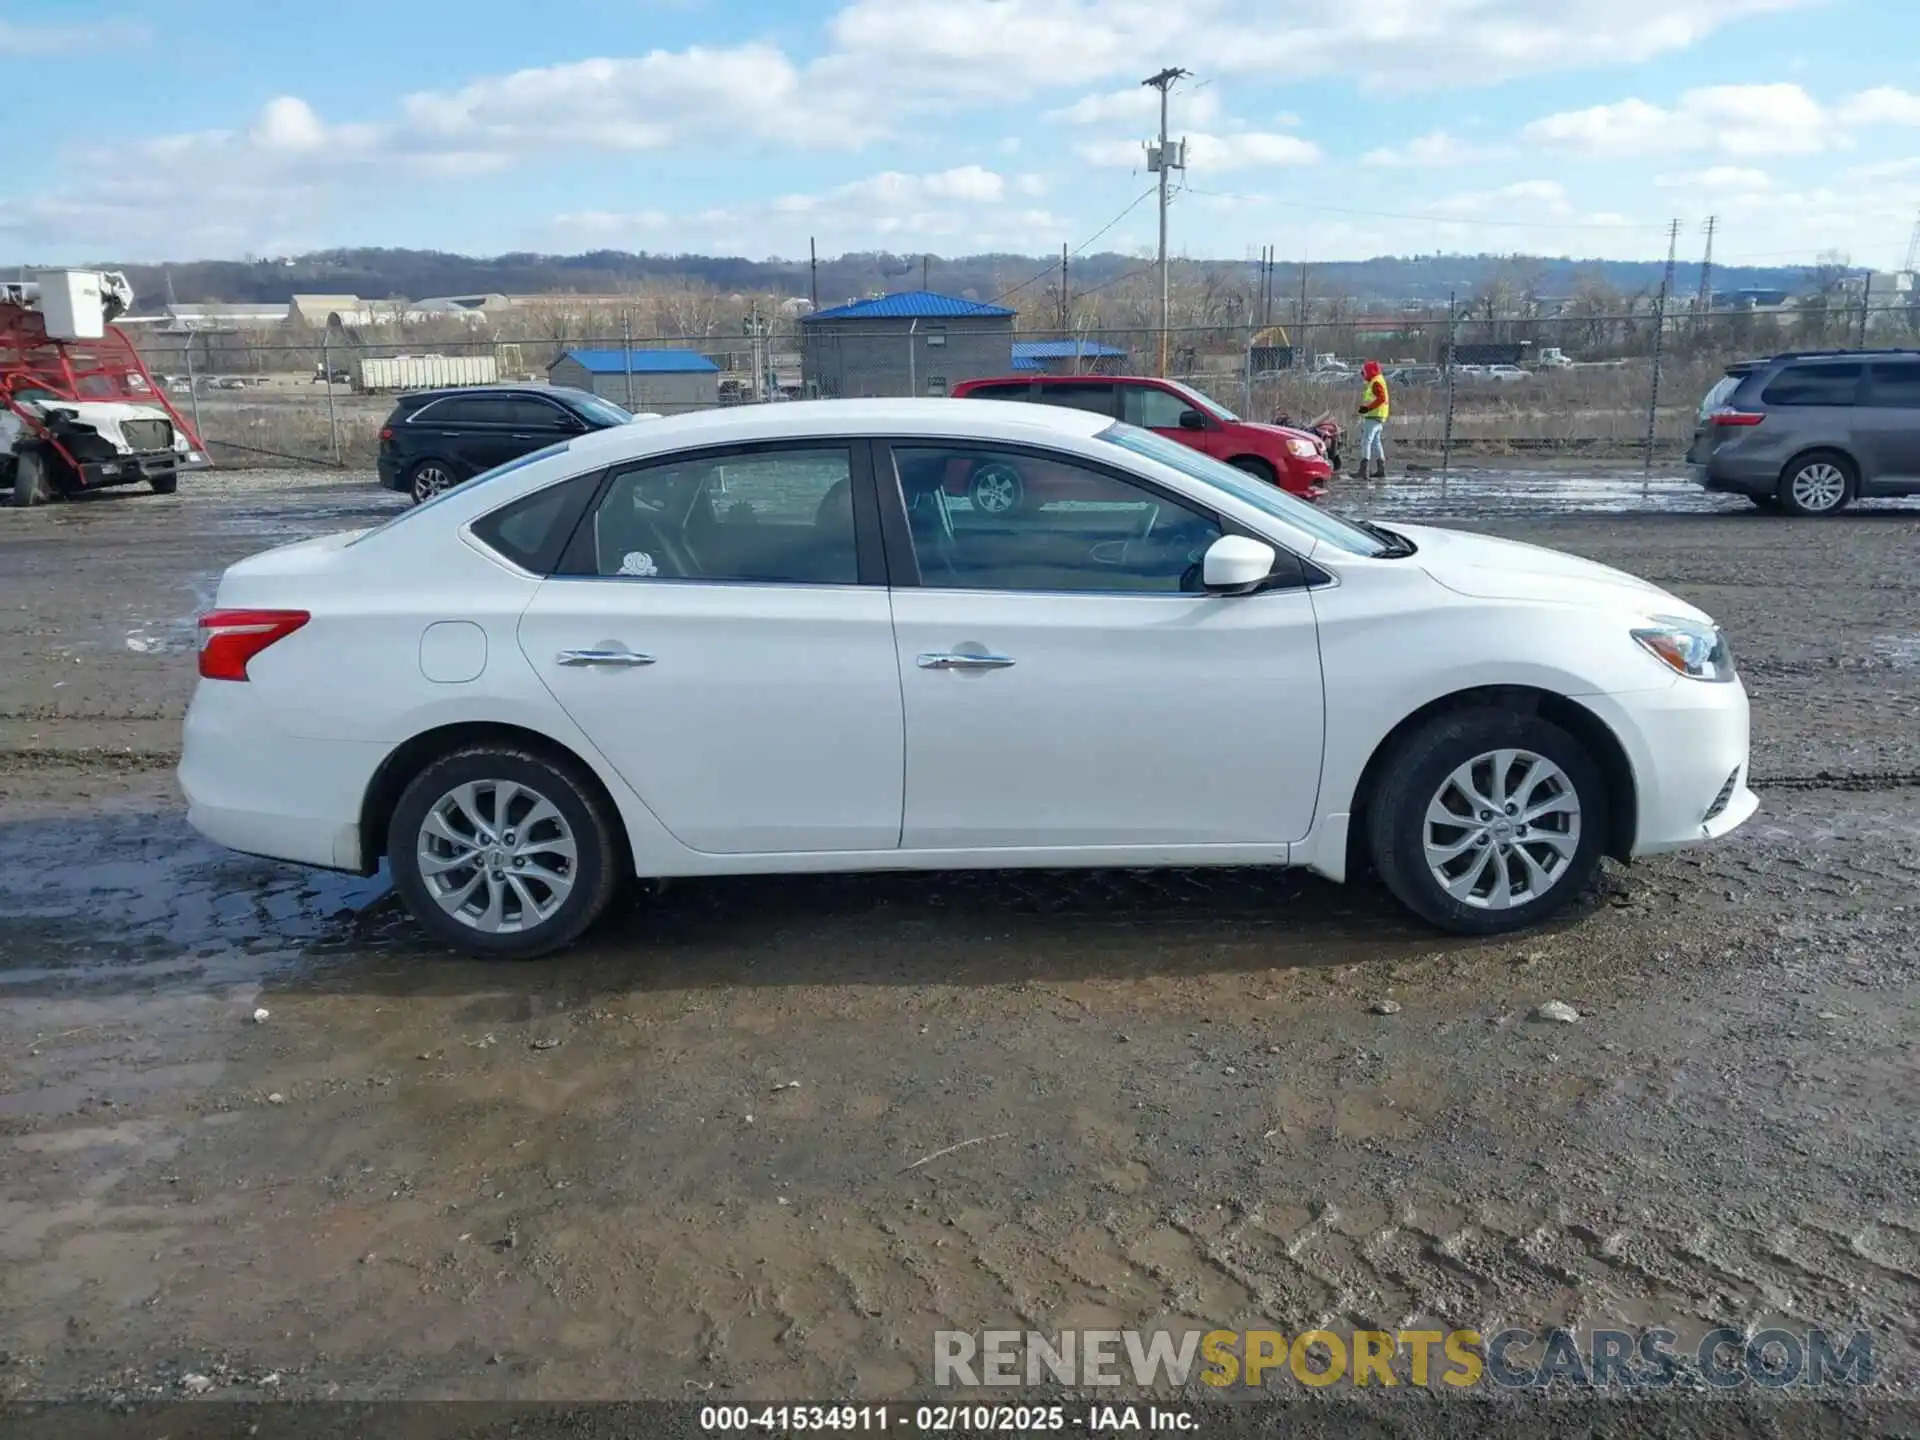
<point>1811,431</point>
<point>434,439</point>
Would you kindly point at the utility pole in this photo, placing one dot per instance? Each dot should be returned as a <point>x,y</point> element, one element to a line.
<point>813,274</point>
<point>1659,343</point>
<point>1705,303</point>
<point>1063,290</point>
<point>1163,160</point>
<point>923,270</point>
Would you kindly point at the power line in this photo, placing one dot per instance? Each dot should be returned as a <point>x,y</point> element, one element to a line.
<point>1132,205</point>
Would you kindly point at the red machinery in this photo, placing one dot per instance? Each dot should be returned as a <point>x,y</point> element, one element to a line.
<point>78,408</point>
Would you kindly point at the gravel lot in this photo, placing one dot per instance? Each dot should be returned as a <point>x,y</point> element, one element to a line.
<point>597,1176</point>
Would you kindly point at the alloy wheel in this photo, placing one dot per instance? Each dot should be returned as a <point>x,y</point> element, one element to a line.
<point>429,481</point>
<point>1502,829</point>
<point>1818,487</point>
<point>995,490</point>
<point>497,856</point>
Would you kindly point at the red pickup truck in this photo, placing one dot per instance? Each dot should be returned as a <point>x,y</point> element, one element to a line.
<point>1295,460</point>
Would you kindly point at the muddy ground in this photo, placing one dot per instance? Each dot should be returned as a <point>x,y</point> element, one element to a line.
<point>682,1161</point>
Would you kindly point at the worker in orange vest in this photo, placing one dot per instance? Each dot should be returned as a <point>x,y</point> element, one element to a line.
<point>1373,421</point>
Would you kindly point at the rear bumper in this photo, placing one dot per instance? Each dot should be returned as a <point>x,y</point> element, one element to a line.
<point>251,787</point>
<point>1688,748</point>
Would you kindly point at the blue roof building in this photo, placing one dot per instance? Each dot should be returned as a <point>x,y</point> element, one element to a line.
<point>664,381</point>
<point>1066,357</point>
<point>909,305</point>
<point>916,342</point>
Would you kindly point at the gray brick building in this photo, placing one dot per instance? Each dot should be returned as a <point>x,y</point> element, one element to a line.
<point>914,343</point>
<point>666,381</point>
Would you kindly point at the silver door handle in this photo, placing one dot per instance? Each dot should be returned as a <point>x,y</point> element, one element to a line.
<point>603,657</point>
<point>964,662</point>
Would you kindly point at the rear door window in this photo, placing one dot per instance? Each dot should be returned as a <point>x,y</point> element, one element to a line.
<point>1814,385</point>
<point>1000,392</point>
<point>1094,397</point>
<point>1895,384</point>
<point>465,410</point>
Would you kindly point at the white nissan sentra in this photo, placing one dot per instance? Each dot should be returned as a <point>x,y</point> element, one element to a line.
<point>780,639</point>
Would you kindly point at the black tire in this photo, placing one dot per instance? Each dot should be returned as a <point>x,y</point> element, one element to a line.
<point>1256,467</point>
<point>30,485</point>
<point>1413,779</point>
<point>164,484</point>
<point>996,488</point>
<point>1814,473</point>
<point>592,873</point>
<point>429,478</point>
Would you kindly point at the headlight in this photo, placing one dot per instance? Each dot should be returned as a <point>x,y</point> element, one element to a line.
<point>1301,449</point>
<point>1699,652</point>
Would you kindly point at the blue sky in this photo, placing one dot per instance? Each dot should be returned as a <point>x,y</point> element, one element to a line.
<point>1329,128</point>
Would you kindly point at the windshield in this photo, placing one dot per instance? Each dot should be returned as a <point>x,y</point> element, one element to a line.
<point>1270,498</point>
<point>546,453</point>
<point>598,409</point>
<point>1205,402</point>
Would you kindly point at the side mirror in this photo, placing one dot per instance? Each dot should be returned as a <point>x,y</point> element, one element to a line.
<point>1236,565</point>
<point>1192,420</point>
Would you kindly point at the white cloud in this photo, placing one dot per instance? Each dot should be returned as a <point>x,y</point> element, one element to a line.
<point>1434,151</point>
<point>1140,106</point>
<point>1012,48</point>
<point>1882,105</point>
<point>1739,120</point>
<point>1718,179</point>
<point>1242,150</point>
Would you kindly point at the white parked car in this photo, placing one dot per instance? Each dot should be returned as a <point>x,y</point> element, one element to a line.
<point>764,639</point>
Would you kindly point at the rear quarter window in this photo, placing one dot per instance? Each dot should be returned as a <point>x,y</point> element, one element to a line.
<point>1814,385</point>
<point>533,531</point>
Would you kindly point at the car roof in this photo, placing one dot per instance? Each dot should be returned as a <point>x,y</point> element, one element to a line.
<point>1008,420</point>
<point>1056,380</point>
<point>507,387</point>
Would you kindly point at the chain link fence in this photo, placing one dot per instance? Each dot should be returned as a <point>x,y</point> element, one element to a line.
<point>1613,387</point>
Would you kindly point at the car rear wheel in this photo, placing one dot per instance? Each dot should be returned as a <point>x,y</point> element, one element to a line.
<point>428,479</point>
<point>1256,467</point>
<point>995,488</point>
<point>1488,821</point>
<point>30,479</point>
<point>1817,484</point>
<point>502,853</point>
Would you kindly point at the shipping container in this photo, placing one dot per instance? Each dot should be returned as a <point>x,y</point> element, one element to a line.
<point>425,372</point>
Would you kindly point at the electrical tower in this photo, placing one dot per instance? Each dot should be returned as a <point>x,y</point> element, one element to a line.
<point>1913,248</point>
<point>1706,274</point>
<point>1162,160</point>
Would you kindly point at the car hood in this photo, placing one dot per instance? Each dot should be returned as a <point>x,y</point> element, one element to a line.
<point>1489,569</point>
<point>92,411</point>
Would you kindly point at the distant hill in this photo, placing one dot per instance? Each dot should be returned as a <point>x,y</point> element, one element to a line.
<point>421,274</point>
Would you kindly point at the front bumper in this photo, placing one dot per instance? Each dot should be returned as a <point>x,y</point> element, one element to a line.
<point>133,469</point>
<point>1688,747</point>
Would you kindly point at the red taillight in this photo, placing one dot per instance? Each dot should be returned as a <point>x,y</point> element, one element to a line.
<point>230,638</point>
<point>386,433</point>
<point>1735,417</point>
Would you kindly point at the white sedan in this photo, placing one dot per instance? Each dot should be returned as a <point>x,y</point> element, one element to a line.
<point>778,638</point>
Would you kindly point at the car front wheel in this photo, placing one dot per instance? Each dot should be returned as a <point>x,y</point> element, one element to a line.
<point>502,853</point>
<point>30,485</point>
<point>1488,821</point>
